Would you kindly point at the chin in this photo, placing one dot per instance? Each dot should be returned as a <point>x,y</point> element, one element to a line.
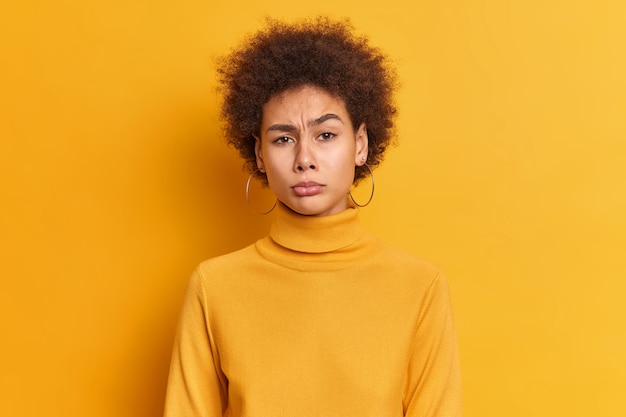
<point>304,211</point>
<point>311,209</point>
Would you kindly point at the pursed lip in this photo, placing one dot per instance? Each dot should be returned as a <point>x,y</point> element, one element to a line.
<point>307,188</point>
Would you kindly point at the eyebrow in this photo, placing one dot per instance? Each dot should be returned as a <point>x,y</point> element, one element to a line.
<point>314,122</point>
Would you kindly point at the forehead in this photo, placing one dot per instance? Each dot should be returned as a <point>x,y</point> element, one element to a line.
<point>299,101</point>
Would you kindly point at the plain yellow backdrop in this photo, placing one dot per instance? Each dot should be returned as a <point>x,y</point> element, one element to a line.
<point>510,174</point>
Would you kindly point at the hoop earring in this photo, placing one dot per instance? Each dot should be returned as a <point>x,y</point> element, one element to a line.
<point>372,193</point>
<point>248,197</point>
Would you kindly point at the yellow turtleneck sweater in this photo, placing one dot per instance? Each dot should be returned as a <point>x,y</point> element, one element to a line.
<point>317,319</point>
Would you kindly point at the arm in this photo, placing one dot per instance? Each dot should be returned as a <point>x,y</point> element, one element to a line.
<point>196,385</point>
<point>434,381</point>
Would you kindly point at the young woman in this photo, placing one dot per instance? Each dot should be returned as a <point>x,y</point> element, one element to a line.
<point>319,318</point>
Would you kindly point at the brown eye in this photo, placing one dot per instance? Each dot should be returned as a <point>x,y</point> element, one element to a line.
<point>283,139</point>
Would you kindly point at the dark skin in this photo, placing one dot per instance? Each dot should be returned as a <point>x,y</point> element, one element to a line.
<point>317,52</point>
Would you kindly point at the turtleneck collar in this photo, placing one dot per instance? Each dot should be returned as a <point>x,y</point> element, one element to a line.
<point>312,234</point>
<point>308,244</point>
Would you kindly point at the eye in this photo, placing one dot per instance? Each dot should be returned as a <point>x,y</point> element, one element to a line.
<point>283,139</point>
<point>326,136</point>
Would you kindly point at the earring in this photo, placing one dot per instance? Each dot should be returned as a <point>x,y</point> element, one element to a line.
<point>371,194</point>
<point>248,196</point>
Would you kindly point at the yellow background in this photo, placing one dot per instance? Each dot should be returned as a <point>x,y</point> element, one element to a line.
<point>115,183</point>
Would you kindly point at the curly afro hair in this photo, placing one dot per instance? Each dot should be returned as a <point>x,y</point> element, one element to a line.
<point>320,52</point>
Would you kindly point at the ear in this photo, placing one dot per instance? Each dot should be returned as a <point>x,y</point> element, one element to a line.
<point>362,141</point>
<point>259,154</point>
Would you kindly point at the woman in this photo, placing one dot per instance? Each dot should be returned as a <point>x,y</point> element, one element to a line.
<point>319,318</point>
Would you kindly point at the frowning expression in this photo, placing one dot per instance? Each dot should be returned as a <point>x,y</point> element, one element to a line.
<point>309,148</point>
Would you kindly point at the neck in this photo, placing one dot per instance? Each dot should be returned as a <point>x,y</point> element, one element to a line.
<point>315,234</point>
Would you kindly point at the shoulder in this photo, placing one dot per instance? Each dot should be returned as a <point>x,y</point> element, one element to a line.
<point>232,264</point>
<point>407,267</point>
<point>229,259</point>
<point>403,259</point>
<point>223,277</point>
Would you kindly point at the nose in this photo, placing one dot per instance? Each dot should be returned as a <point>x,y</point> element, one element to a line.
<point>305,158</point>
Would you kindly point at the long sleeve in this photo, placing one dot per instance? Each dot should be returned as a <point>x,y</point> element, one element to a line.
<point>318,319</point>
<point>433,386</point>
<point>196,386</point>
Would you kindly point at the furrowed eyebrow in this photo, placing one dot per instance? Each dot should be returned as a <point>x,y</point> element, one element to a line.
<point>314,122</point>
<point>322,119</point>
<point>281,128</point>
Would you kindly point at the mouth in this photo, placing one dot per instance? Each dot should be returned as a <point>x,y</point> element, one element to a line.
<point>307,188</point>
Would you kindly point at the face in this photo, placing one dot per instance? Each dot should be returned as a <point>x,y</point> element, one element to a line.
<point>309,149</point>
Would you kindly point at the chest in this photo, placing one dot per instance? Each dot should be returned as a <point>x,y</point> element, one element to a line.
<point>315,345</point>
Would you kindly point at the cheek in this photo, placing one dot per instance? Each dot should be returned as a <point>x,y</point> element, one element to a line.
<point>343,168</point>
<point>343,159</point>
<point>274,164</point>
<point>269,158</point>
<point>276,169</point>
